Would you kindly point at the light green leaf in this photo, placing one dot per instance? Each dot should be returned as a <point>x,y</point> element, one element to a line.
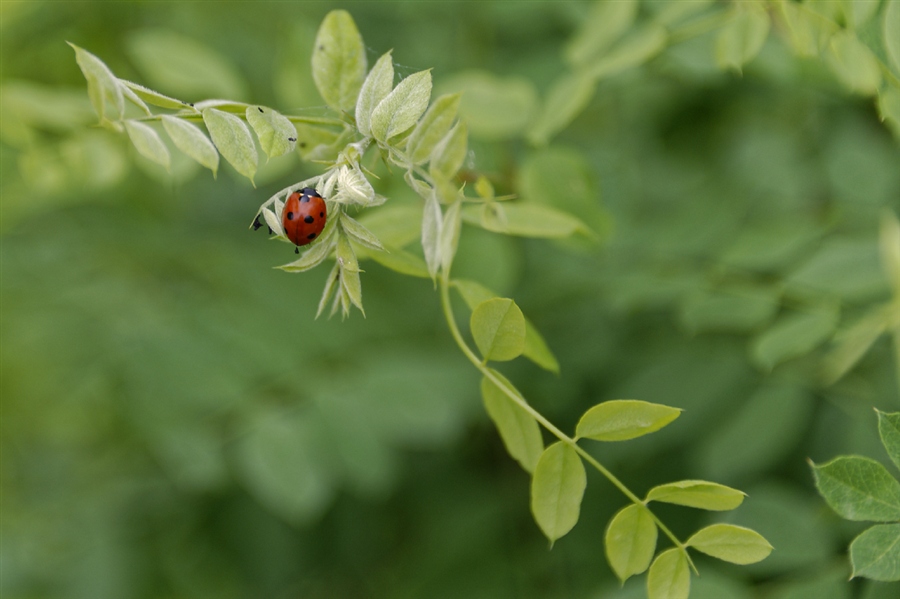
<point>859,488</point>
<point>793,336</point>
<point>565,100</point>
<point>742,38</point>
<point>699,494</point>
<point>332,283</point>
<point>449,154</point>
<point>623,419</point>
<point>889,431</point>
<point>891,37</point>
<point>875,553</point>
<point>604,24</point>
<point>858,12</point>
<point>528,219</point>
<point>632,51</point>
<point>191,140</point>
<point>394,224</point>
<point>148,142</point>
<point>374,89</point>
<point>669,576</point>
<point>450,235</point>
<point>339,61</point>
<point>536,348</point>
<point>103,86</point>
<point>350,284</point>
<point>402,107</point>
<point>498,327</point>
<point>353,187</point>
<point>493,108</point>
<point>233,140</point>
<point>728,309</point>
<point>852,344</point>
<point>808,32</point>
<point>432,219</point>
<point>134,99</point>
<point>280,462</point>
<point>277,135</point>
<point>155,98</point>
<point>183,66</point>
<point>318,250</point>
<point>432,128</point>
<point>630,541</point>
<point>853,63</point>
<point>361,235</point>
<point>731,543</point>
<point>557,489</point>
<point>518,429</point>
<point>848,268</point>
<point>401,261</point>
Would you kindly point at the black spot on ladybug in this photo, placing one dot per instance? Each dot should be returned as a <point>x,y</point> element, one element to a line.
<point>290,216</point>
<point>311,236</point>
<point>296,250</point>
<point>309,219</point>
<point>322,214</point>
<point>259,109</point>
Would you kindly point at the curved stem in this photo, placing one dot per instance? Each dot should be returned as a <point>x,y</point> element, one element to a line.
<point>515,397</point>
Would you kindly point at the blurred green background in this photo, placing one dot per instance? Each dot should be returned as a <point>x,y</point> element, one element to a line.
<point>176,424</point>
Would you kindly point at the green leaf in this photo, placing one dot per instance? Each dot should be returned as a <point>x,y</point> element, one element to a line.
<point>394,224</point>
<point>632,51</point>
<point>148,142</point>
<point>339,61</point>
<point>528,219</point>
<point>793,336</point>
<point>353,187</point>
<point>889,431</point>
<point>280,462</point>
<point>604,24</point>
<point>731,543</point>
<point>350,284</point>
<point>332,283</point>
<point>891,27</point>
<point>742,38</point>
<point>623,419</point>
<point>630,541</point>
<point>449,154</point>
<point>853,63</point>
<point>134,99</point>
<point>402,107</point>
<point>103,86</point>
<point>565,100</point>
<point>808,32</point>
<point>191,140</point>
<point>728,309</point>
<point>859,488</point>
<point>233,140</point>
<point>889,244</point>
<point>848,268</point>
<point>518,429</point>
<point>318,250</point>
<point>557,489</point>
<point>401,261</point>
<point>450,235</point>
<point>857,13</point>
<point>498,327</point>
<point>374,89</point>
<point>853,343</point>
<point>155,98</point>
<point>277,135</point>
<point>875,553</point>
<point>361,235</point>
<point>432,128</point>
<point>669,576</point>
<point>699,494</point>
<point>183,66</point>
<point>432,219</point>
<point>493,108</point>
<point>536,348</point>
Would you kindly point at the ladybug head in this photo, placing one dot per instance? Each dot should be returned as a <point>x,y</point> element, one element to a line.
<point>309,191</point>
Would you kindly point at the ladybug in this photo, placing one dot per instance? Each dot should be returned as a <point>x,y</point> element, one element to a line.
<point>304,216</point>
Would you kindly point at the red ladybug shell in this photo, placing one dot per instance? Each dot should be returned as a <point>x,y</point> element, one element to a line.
<point>304,216</point>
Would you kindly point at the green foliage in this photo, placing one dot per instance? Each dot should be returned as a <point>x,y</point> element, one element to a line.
<point>859,488</point>
<point>174,427</point>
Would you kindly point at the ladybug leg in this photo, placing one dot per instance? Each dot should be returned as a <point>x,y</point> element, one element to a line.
<point>270,230</point>
<point>296,250</point>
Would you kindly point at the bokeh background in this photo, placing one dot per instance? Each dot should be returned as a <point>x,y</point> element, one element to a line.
<point>176,424</point>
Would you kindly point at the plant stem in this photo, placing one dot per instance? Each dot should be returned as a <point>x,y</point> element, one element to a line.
<point>518,400</point>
